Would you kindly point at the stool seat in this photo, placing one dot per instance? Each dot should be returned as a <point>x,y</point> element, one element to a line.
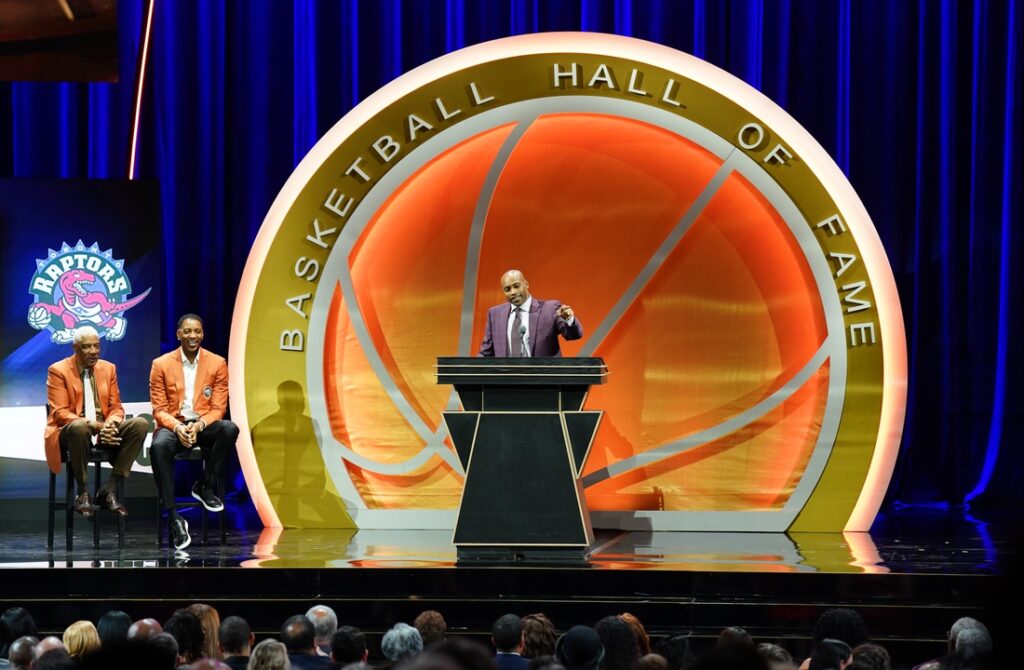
<point>98,455</point>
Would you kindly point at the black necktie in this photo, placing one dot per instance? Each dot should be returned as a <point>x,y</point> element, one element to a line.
<point>517,339</point>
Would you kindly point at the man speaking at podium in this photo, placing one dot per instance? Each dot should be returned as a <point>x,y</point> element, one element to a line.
<point>527,326</point>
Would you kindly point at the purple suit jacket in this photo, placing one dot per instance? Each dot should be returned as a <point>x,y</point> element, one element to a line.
<point>545,327</point>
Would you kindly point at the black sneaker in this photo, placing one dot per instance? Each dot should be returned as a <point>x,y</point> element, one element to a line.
<point>207,497</point>
<point>179,533</point>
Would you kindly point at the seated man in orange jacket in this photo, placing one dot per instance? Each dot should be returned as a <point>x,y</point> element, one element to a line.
<point>188,388</point>
<point>85,402</point>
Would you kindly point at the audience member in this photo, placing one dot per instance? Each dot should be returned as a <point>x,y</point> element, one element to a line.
<point>299,638</point>
<point>325,623</point>
<point>81,639</point>
<point>236,640</point>
<point>401,642</point>
<point>732,657</point>
<point>269,655</point>
<point>676,650</point>
<point>6,638</point>
<point>507,638</point>
<point>166,646</point>
<point>208,664</point>
<point>840,623</point>
<point>872,656</point>
<point>776,657</point>
<point>210,619</point>
<point>538,636</point>
<point>454,654</point>
<point>734,636</point>
<point>619,642</point>
<point>113,628</point>
<point>830,654</point>
<point>187,631</point>
<point>348,646</point>
<point>20,652</point>
<point>55,659</point>
<point>432,627</point>
<point>46,644</point>
<point>579,648</point>
<point>143,629</point>
<point>19,622</point>
<point>643,641</point>
<point>545,663</point>
<point>652,662</point>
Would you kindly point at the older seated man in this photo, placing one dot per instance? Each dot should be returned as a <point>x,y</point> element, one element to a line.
<point>85,403</point>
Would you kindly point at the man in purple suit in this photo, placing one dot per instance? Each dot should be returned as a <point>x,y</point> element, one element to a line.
<point>527,326</point>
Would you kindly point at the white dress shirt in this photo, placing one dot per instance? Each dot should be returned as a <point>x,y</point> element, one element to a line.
<point>189,370</point>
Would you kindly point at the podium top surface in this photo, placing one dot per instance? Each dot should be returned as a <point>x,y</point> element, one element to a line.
<point>490,371</point>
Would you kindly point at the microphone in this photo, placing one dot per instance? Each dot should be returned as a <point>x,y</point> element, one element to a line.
<point>522,336</point>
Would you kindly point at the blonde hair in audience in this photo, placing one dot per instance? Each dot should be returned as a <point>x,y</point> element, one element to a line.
<point>269,655</point>
<point>81,639</point>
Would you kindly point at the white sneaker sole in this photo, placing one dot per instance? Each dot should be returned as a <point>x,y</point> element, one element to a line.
<point>208,508</point>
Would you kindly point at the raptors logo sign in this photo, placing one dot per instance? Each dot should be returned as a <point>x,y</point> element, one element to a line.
<point>81,286</point>
<point>719,260</point>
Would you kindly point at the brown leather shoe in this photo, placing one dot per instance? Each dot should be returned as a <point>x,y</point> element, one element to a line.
<point>107,500</point>
<point>83,505</point>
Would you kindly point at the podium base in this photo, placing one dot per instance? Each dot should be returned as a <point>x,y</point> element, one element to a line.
<point>526,556</point>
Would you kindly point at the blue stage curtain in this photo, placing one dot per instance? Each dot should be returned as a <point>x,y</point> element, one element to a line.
<point>919,102</point>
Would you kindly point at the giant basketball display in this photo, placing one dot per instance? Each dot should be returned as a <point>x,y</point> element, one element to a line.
<point>717,258</point>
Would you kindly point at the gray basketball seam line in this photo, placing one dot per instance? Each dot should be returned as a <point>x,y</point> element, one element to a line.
<point>658,257</point>
<point>701,437</point>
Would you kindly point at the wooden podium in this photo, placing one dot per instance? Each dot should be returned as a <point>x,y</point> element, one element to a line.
<point>522,437</point>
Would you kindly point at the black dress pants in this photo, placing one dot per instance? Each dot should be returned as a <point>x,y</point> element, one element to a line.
<point>215,440</point>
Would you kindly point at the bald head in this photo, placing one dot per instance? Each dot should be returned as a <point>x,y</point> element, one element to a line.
<point>143,629</point>
<point>20,653</point>
<point>515,287</point>
<point>209,664</point>
<point>45,645</point>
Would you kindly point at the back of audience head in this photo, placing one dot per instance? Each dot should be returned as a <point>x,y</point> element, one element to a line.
<point>651,662</point>
<point>299,635</point>
<point>830,654</point>
<point>401,642</point>
<point>269,655</point>
<point>432,627</point>
<point>538,636</point>
<point>166,646</point>
<point>55,659</point>
<point>580,648</point>
<point>235,637</point>
<point>209,617</point>
<point>643,640</point>
<point>960,625</point>
<point>19,622</point>
<point>46,644</point>
<point>81,639</point>
<point>839,623</point>
<point>676,649</point>
<point>113,628</point>
<point>974,641</point>
<point>872,656</point>
<point>507,633</point>
<point>187,630</point>
<point>776,657</point>
<point>20,652</point>
<point>325,623</point>
<point>208,664</point>
<point>454,654</point>
<point>619,642</point>
<point>143,629</point>
<point>734,636</point>
<point>348,646</point>
<point>732,657</point>
<point>544,663</point>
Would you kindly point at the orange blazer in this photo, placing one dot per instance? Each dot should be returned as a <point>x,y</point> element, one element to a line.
<point>64,394</point>
<point>167,388</point>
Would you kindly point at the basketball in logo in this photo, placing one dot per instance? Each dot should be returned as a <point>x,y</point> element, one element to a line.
<point>717,259</point>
